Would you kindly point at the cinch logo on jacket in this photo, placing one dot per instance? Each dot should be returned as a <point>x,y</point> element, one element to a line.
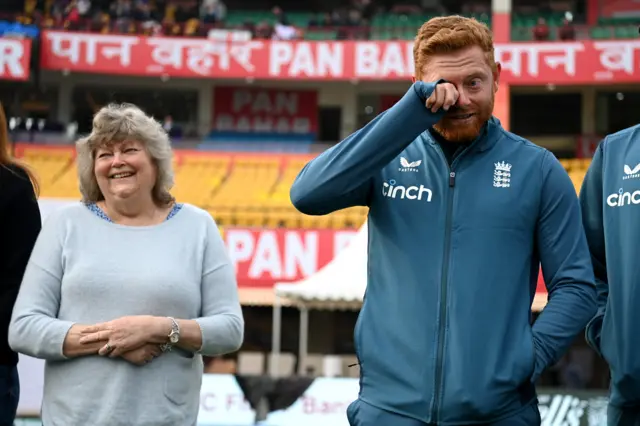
<point>391,190</point>
<point>623,198</point>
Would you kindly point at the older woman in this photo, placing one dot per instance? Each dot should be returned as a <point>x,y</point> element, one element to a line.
<point>125,292</point>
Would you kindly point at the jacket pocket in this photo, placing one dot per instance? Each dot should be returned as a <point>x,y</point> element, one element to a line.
<point>178,378</point>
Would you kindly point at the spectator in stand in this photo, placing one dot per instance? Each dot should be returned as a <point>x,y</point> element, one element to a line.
<point>72,16</point>
<point>324,21</point>
<point>192,28</point>
<point>121,13</point>
<point>19,227</point>
<point>280,16</point>
<point>541,31</point>
<point>84,8</point>
<point>173,130</point>
<point>148,287</point>
<point>212,11</point>
<point>567,31</point>
<point>147,16</point>
<point>282,29</point>
<point>30,7</point>
<point>103,23</point>
<point>262,31</point>
<point>366,9</point>
<point>170,11</point>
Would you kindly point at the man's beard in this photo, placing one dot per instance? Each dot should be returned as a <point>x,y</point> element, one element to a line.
<point>454,132</point>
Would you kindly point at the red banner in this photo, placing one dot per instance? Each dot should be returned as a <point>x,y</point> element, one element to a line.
<point>618,8</point>
<point>578,62</point>
<point>258,110</point>
<point>265,256</point>
<point>15,55</point>
<point>387,101</point>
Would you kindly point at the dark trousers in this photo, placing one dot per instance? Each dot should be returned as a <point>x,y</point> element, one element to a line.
<point>627,416</point>
<point>360,413</point>
<point>9,394</point>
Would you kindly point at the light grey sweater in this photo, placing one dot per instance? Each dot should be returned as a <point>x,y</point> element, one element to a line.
<point>87,270</point>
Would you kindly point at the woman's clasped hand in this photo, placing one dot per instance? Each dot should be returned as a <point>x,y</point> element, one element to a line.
<point>136,339</point>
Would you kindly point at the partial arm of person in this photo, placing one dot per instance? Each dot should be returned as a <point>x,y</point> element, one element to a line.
<point>566,267</point>
<point>592,204</point>
<point>341,176</point>
<point>35,329</point>
<point>220,329</point>
<point>20,224</point>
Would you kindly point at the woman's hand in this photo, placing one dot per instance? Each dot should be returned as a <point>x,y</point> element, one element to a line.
<point>127,334</point>
<point>73,347</point>
<point>143,355</point>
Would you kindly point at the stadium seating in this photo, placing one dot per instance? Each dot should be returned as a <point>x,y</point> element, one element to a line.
<point>238,190</point>
<point>576,168</point>
<point>383,26</point>
<point>56,172</point>
<point>393,26</point>
<point>616,27</point>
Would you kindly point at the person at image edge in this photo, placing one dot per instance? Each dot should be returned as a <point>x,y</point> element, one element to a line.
<point>20,225</point>
<point>461,215</point>
<point>610,195</point>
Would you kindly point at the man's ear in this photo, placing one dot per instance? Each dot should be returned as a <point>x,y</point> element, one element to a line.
<point>496,76</point>
<point>413,79</point>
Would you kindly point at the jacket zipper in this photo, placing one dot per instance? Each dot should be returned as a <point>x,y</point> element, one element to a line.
<point>442,318</point>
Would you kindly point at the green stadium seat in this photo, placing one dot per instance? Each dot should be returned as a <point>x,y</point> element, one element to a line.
<point>600,33</point>
<point>390,26</point>
<point>623,32</point>
<point>619,20</point>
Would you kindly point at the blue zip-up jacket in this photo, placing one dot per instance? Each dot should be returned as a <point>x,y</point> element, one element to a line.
<point>610,198</point>
<point>444,333</point>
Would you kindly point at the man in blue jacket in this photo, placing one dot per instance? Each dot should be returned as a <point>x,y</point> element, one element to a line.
<point>461,214</point>
<point>610,198</point>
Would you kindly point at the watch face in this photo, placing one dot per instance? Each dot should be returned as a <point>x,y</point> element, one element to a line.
<point>174,338</point>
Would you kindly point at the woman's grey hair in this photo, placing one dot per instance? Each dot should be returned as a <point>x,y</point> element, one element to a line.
<point>116,123</point>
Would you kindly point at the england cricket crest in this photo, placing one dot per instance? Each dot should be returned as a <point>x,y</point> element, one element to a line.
<point>502,175</point>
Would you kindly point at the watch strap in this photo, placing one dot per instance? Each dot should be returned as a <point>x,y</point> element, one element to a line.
<point>175,331</point>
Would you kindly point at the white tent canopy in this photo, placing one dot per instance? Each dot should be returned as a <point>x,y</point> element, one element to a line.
<point>338,285</point>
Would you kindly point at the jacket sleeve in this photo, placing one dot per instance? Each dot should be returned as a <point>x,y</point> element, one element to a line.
<point>35,329</point>
<point>592,207</point>
<point>341,176</point>
<point>221,320</point>
<point>20,225</point>
<point>566,267</point>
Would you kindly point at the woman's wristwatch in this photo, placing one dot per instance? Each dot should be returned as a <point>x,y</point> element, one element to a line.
<point>173,337</point>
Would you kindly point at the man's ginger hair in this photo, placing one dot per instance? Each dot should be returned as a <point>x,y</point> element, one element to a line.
<point>449,34</point>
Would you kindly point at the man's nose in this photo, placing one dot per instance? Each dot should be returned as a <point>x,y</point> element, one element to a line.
<point>463,99</point>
